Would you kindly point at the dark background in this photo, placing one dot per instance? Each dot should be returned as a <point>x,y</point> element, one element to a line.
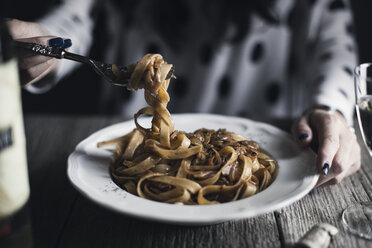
<point>78,93</point>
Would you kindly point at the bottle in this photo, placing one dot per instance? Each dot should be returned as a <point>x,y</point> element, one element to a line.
<point>15,224</point>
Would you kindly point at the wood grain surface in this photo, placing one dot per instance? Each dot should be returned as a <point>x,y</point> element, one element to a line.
<point>62,217</point>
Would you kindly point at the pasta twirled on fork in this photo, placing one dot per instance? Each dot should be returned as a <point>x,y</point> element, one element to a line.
<point>163,164</point>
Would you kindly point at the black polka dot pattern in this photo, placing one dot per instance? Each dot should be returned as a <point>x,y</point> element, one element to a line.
<point>350,48</point>
<point>349,28</point>
<point>325,56</point>
<point>343,93</point>
<point>336,5</point>
<point>257,52</point>
<point>180,86</point>
<point>152,48</point>
<point>348,70</point>
<point>272,92</point>
<point>206,54</point>
<point>320,79</point>
<point>224,87</point>
<point>76,19</point>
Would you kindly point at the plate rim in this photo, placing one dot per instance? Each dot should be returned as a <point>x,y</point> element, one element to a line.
<point>311,181</point>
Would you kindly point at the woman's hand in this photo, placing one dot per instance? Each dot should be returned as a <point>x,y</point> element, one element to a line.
<point>33,67</point>
<point>338,152</point>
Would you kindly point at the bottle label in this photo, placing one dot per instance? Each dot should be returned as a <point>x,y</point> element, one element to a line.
<point>6,138</point>
<point>14,186</point>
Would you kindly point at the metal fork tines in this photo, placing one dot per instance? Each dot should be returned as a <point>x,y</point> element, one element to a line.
<point>117,75</point>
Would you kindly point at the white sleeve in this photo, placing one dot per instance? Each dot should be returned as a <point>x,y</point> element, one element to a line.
<point>334,58</point>
<point>70,19</point>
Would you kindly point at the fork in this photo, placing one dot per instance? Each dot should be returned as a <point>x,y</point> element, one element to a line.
<point>116,75</point>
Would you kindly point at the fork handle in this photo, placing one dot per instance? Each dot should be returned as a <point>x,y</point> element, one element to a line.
<point>54,52</point>
<point>76,57</point>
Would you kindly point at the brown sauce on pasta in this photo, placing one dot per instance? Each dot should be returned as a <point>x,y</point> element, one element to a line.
<point>166,165</point>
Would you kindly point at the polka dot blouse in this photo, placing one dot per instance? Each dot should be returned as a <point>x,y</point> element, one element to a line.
<point>274,71</point>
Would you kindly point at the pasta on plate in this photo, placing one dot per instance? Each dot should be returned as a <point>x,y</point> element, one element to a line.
<point>167,165</point>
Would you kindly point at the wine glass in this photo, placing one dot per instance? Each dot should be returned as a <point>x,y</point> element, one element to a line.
<point>358,217</point>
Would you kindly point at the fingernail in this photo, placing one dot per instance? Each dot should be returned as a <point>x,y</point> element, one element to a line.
<point>55,42</point>
<point>303,136</point>
<point>67,43</point>
<point>325,168</point>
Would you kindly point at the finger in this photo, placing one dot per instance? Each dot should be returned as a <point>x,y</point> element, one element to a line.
<point>302,132</point>
<point>346,161</point>
<point>42,40</point>
<point>28,59</point>
<point>48,40</point>
<point>17,28</point>
<point>336,180</point>
<point>66,43</point>
<point>328,139</point>
<point>341,165</point>
<point>32,61</point>
<point>21,29</point>
<point>354,160</point>
<point>37,72</point>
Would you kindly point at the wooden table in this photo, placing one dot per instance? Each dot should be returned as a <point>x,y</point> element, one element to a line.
<point>62,217</point>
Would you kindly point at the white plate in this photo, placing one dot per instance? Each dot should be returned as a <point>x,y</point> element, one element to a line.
<point>88,172</point>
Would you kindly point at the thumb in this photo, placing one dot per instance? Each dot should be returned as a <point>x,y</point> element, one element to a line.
<point>21,29</point>
<point>42,40</point>
<point>302,132</point>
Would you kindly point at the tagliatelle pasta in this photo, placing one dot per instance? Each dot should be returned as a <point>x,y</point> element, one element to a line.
<point>163,164</point>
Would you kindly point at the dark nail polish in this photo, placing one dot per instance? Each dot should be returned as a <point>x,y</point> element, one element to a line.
<point>325,168</point>
<point>303,136</point>
<point>55,42</point>
<point>67,43</point>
